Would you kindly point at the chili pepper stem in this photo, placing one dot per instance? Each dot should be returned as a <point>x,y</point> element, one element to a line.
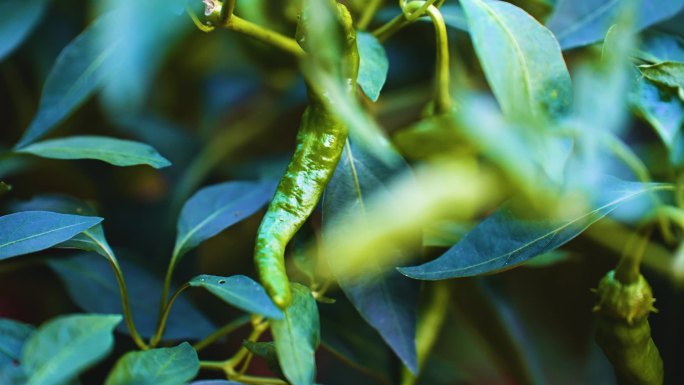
<point>628,268</point>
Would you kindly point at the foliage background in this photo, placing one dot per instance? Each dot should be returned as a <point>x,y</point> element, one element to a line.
<point>222,107</point>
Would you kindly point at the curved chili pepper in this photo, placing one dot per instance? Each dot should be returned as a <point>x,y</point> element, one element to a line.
<point>320,141</point>
<point>624,333</point>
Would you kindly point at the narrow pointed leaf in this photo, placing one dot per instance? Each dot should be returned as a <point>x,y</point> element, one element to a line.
<point>215,208</point>
<point>241,292</point>
<point>17,19</point>
<point>92,239</point>
<point>64,347</point>
<point>91,284</point>
<point>385,299</point>
<point>504,239</point>
<point>113,151</point>
<point>297,337</point>
<point>75,76</point>
<point>164,366</point>
<point>521,60</point>
<point>30,231</point>
<point>581,22</point>
<point>373,65</point>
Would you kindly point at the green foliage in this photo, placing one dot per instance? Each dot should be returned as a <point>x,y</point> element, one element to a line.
<point>30,231</point>
<point>297,337</point>
<point>241,292</point>
<point>113,151</point>
<point>457,151</point>
<point>165,366</point>
<point>62,348</point>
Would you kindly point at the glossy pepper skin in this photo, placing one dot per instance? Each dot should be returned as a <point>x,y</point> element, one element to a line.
<point>320,142</point>
<point>623,331</point>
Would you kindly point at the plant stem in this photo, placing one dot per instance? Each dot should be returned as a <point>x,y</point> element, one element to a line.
<point>164,316</point>
<point>287,44</point>
<point>123,292</point>
<point>628,268</point>
<point>368,13</point>
<point>411,12</point>
<point>224,330</point>
<point>443,98</point>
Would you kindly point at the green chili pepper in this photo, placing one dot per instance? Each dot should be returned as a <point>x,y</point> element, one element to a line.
<point>623,331</point>
<point>320,141</point>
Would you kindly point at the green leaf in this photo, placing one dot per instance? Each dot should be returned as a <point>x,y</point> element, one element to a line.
<point>13,335</point>
<point>75,76</point>
<point>17,19</point>
<point>113,151</point>
<point>66,346</point>
<point>453,17</point>
<point>216,382</point>
<point>373,65</point>
<point>662,109</point>
<point>92,286</point>
<point>297,336</point>
<point>521,60</point>
<point>92,239</point>
<point>215,208</point>
<point>669,74</point>
<point>30,231</point>
<point>581,22</point>
<point>385,299</point>
<point>504,239</point>
<point>267,351</point>
<point>658,47</point>
<point>241,292</point>
<point>165,366</point>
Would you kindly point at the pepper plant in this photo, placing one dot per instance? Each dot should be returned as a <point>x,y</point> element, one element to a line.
<point>321,191</point>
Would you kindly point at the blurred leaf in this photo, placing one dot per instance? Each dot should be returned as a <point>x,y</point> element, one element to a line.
<point>13,335</point>
<point>78,72</point>
<point>164,366</point>
<point>66,346</point>
<point>351,339</point>
<point>215,208</point>
<point>548,259</point>
<point>662,109</point>
<point>30,231</point>
<point>297,336</point>
<point>373,65</point>
<point>454,16</point>
<point>17,20</point>
<point>267,351</point>
<point>216,382</point>
<point>669,74</point>
<point>4,188</point>
<point>149,29</point>
<point>92,239</point>
<point>581,22</point>
<point>445,233</point>
<point>385,299</point>
<point>659,47</point>
<point>92,285</point>
<point>504,239</point>
<point>521,59</point>
<point>113,151</point>
<point>241,292</point>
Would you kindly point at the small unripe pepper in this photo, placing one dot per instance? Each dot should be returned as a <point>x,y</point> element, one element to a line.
<point>623,331</point>
<point>320,142</point>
